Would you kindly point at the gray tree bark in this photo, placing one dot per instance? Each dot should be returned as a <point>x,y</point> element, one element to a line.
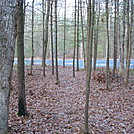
<point>20,54</point>
<point>7,41</point>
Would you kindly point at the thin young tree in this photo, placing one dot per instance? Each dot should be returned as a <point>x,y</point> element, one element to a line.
<point>108,44</point>
<point>96,32</point>
<point>20,55</point>
<point>7,41</point>
<point>78,36</point>
<point>123,39</point>
<point>32,57</point>
<point>129,40</point>
<point>51,28</point>
<point>115,36</point>
<point>83,35</point>
<point>64,51</point>
<point>89,64</point>
<point>45,37</point>
<point>56,47</point>
<point>74,40</point>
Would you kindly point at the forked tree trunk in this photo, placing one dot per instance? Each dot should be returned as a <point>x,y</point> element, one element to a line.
<point>45,37</point>
<point>7,41</point>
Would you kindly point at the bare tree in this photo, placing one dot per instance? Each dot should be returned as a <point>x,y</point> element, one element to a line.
<point>56,49</point>
<point>89,62</point>
<point>64,36</point>
<point>45,37</point>
<point>107,62</point>
<point>74,40</point>
<point>20,54</point>
<point>32,58</point>
<point>51,27</point>
<point>7,41</point>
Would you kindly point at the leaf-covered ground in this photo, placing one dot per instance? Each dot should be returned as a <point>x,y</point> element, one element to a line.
<point>59,109</point>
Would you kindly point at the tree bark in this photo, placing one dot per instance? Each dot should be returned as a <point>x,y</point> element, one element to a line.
<point>52,37</point>
<point>107,62</point>
<point>64,36</point>
<point>20,54</point>
<point>74,40</point>
<point>7,41</point>
<point>89,65</point>
<point>46,37</point>
<point>32,58</point>
<point>56,48</point>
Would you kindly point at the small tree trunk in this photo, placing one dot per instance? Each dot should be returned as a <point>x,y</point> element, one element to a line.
<point>83,36</point>
<point>52,37</point>
<point>64,36</point>
<point>78,38</point>
<point>56,49</point>
<point>107,62</point>
<point>74,40</point>
<point>46,38</point>
<point>96,36</point>
<point>20,54</point>
<point>32,58</point>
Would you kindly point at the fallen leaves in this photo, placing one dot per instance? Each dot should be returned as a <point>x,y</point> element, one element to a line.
<point>59,109</point>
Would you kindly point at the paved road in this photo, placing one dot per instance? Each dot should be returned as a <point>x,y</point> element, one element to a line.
<point>100,63</point>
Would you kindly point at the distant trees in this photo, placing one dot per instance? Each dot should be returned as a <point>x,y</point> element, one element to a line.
<point>7,41</point>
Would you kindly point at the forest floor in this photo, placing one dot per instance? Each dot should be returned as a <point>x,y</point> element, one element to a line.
<point>59,108</point>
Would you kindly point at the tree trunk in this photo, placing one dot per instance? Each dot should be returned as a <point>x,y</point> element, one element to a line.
<point>96,35</point>
<point>56,49</point>
<point>74,40</point>
<point>78,38</point>
<point>83,36</point>
<point>129,40</point>
<point>20,54</point>
<point>45,37</point>
<point>7,41</point>
<point>123,40</point>
<point>107,62</point>
<point>32,58</point>
<point>89,64</point>
<point>52,37</point>
<point>64,36</point>
<point>115,37</point>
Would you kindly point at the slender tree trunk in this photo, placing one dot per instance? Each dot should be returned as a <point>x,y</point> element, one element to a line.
<point>46,37</point>
<point>89,65</point>
<point>123,39</point>
<point>20,54</point>
<point>83,36</point>
<point>32,58</point>
<point>74,40</point>
<point>115,37</point>
<point>96,35</point>
<point>52,37</point>
<point>7,41</point>
<point>107,62</point>
<point>56,49</point>
<point>78,38</point>
<point>129,40</point>
<point>64,36</point>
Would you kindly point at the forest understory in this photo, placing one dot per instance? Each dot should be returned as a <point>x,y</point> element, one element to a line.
<point>59,108</point>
